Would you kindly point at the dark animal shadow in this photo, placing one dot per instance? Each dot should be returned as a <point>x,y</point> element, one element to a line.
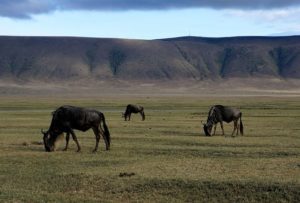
<point>125,174</point>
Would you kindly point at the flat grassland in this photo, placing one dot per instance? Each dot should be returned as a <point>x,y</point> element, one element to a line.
<point>165,158</point>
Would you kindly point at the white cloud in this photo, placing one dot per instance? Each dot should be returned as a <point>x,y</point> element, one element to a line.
<point>277,21</point>
<point>266,15</point>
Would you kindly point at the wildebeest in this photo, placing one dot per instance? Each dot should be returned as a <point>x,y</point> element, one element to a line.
<point>133,109</point>
<point>67,118</point>
<point>219,113</point>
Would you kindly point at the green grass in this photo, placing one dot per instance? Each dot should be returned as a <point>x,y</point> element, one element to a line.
<point>170,157</point>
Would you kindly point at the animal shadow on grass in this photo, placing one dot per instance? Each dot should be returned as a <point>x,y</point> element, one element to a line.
<point>30,146</point>
<point>125,174</point>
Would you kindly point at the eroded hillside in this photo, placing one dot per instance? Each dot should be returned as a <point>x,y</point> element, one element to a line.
<point>191,58</point>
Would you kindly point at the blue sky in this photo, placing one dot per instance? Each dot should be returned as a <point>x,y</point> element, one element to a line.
<point>149,19</point>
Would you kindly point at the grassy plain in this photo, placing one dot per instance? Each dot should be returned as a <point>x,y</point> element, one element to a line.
<point>168,154</point>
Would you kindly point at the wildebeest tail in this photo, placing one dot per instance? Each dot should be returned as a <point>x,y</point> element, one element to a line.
<point>143,114</point>
<point>106,131</point>
<point>241,125</point>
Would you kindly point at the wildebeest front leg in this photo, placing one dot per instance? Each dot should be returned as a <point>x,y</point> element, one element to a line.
<point>215,129</point>
<point>221,123</point>
<point>75,140</point>
<point>67,141</point>
<point>97,135</point>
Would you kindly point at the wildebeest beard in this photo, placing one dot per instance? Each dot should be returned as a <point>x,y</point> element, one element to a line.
<point>206,130</point>
<point>49,139</point>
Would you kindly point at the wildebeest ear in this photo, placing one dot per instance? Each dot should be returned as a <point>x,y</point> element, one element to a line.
<point>43,132</point>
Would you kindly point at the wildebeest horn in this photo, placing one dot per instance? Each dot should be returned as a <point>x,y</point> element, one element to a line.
<point>202,122</point>
<point>42,131</point>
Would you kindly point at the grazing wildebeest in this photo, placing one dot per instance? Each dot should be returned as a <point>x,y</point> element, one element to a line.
<point>219,113</point>
<point>133,109</point>
<point>67,118</point>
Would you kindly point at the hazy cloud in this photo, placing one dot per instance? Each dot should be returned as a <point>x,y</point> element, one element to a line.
<point>26,8</point>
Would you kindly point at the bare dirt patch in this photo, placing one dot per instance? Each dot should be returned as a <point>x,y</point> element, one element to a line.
<point>95,88</point>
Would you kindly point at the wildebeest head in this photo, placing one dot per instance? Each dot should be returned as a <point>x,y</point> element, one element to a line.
<point>207,129</point>
<point>48,143</point>
<point>125,115</point>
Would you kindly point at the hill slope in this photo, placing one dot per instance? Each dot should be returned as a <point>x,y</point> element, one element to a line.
<point>193,58</point>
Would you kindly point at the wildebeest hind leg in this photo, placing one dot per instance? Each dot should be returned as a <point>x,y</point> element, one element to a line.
<point>67,141</point>
<point>97,135</point>
<point>75,140</point>
<point>234,128</point>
